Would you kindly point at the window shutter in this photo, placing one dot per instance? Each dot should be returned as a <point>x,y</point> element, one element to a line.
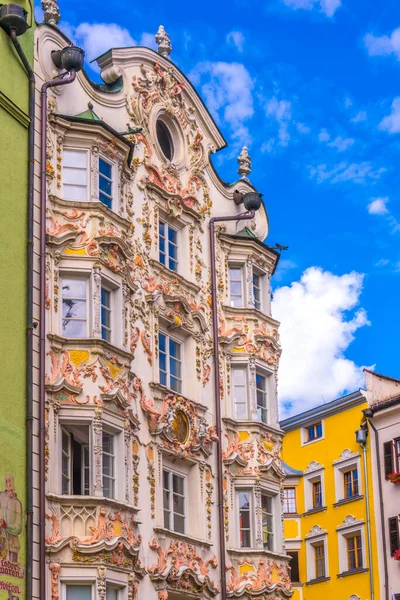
<point>388,457</point>
<point>393,534</point>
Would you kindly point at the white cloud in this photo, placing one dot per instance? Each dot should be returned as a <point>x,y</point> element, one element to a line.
<point>328,7</point>
<point>382,262</point>
<point>316,330</point>
<point>341,144</point>
<point>97,38</point>
<point>302,128</point>
<point>391,123</point>
<point>281,112</point>
<point>324,136</point>
<point>360,116</point>
<point>344,171</point>
<point>227,90</point>
<point>378,206</point>
<point>383,45</point>
<point>148,41</point>
<point>236,38</point>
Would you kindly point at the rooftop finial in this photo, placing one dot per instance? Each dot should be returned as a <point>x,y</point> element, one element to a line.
<point>163,41</point>
<point>51,12</point>
<point>244,163</point>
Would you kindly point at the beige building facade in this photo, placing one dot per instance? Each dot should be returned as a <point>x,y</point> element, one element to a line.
<point>125,401</point>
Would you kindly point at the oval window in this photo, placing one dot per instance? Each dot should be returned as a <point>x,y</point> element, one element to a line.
<point>165,139</point>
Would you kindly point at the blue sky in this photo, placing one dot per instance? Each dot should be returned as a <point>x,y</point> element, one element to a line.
<point>310,86</point>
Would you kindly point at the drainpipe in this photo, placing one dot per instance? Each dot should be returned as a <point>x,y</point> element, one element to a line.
<point>367,507</point>
<point>241,217</point>
<point>369,415</point>
<point>29,315</point>
<point>61,80</point>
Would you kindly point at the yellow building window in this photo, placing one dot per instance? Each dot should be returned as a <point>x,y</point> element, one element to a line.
<point>350,483</point>
<point>319,556</point>
<point>354,552</point>
<point>289,500</point>
<point>314,432</point>
<point>317,494</point>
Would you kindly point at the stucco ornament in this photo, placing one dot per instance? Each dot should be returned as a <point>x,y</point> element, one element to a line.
<point>183,568</point>
<point>258,580</point>
<point>51,12</point>
<point>163,41</point>
<point>244,163</point>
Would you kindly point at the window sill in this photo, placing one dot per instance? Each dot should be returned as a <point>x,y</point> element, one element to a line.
<point>347,500</point>
<point>91,341</point>
<point>318,580</point>
<point>258,552</point>
<point>182,536</point>
<point>91,205</point>
<point>249,424</point>
<point>353,572</point>
<point>312,511</point>
<point>309,442</point>
<point>84,500</point>
<point>295,515</point>
<point>174,275</point>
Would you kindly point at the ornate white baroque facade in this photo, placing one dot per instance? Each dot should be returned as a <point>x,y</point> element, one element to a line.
<point>130,459</point>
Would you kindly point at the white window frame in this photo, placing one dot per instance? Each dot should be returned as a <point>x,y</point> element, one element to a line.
<point>265,493</point>
<point>114,455</point>
<point>89,582</point>
<point>170,509</point>
<point>87,169</point>
<point>265,392</point>
<point>313,540</point>
<point>304,438</point>
<point>309,479</point>
<point>168,357</point>
<point>240,367</point>
<point>290,487</point>
<point>249,490</point>
<point>112,290</point>
<point>81,276</point>
<point>99,176</point>
<point>341,466</point>
<point>345,531</point>
<point>240,268</point>
<point>261,276</point>
<point>177,245</point>
<point>64,425</point>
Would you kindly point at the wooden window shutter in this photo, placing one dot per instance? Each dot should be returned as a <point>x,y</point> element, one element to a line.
<point>388,457</point>
<point>393,534</point>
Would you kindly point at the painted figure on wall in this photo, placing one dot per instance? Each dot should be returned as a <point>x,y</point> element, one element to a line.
<point>10,521</point>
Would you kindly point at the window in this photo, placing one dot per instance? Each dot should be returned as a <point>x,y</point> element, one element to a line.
<point>164,138</point>
<point>294,566</point>
<point>75,175</point>
<point>261,390</point>
<point>170,362</point>
<point>112,592</point>
<point>289,500</point>
<point>244,519</point>
<point>354,552</point>
<point>74,307</point>
<point>105,182</point>
<point>108,465</point>
<point>239,390</point>
<point>106,299</point>
<point>267,522</point>
<point>79,592</point>
<point>319,558</point>
<point>394,537</point>
<point>174,501</point>
<point>75,460</point>
<point>236,287</point>
<point>317,494</point>
<point>397,454</point>
<point>168,245</point>
<point>350,483</point>
<point>257,290</point>
<point>314,432</point>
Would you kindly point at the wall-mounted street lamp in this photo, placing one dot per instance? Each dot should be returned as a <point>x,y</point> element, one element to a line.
<point>13,18</point>
<point>252,202</point>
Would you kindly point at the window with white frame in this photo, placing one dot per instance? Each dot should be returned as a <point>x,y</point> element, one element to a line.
<point>317,554</point>
<point>109,467</point>
<point>168,246</point>
<point>105,182</point>
<point>236,286</point>
<point>112,592</point>
<point>170,362</point>
<point>262,397</point>
<point>75,175</point>
<point>174,501</point>
<point>78,591</point>
<point>75,460</point>
<point>351,545</point>
<point>267,515</point>
<point>347,476</point>
<point>240,391</point>
<point>244,499</point>
<point>74,292</point>
<point>314,487</point>
<point>289,500</point>
<point>257,290</point>
<point>106,312</point>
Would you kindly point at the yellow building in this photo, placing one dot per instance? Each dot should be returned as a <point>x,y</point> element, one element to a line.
<point>328,503</point>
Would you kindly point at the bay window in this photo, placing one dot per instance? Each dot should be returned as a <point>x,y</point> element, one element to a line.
<point>267,521</point>
<point>79,591</point>
<point>105,182</point>
<point>257,290</point>
<point>240,392</point>
<point>108,440</point>
<point>236,286</point>
<point>106,313</point>
<point>75,175</point>
<point>245,516</point>
<point>74,307</point>
<point>75,460</point>
<point>261,391</point>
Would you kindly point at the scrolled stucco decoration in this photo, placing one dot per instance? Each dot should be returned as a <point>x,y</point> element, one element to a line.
<point>163,41</point>
<point>314,466</point>
<point>316,530</point>
<point>346,455</point>
<point>354,597</point>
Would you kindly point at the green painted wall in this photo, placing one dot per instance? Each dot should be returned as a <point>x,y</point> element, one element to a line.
<point>13,227</point>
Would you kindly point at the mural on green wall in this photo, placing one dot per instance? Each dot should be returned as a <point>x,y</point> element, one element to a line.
<point>12,571</point>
